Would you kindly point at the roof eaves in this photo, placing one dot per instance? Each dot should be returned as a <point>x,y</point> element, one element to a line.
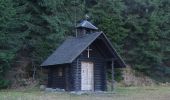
<point>119,57</point>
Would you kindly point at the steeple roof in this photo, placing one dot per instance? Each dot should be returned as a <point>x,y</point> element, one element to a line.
<point>86,24</point>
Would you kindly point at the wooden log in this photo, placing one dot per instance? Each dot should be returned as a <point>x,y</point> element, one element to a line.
<point>112,75</point>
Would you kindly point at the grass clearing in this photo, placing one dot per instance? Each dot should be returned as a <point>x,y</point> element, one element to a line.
<point>121,93</point>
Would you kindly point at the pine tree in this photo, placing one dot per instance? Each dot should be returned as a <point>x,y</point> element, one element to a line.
<point>9,40</point>
<point>148,20</point>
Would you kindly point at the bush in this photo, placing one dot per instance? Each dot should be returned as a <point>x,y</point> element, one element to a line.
<point>4,83</point>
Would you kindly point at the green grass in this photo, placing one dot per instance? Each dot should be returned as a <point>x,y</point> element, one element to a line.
<point>121,93</point>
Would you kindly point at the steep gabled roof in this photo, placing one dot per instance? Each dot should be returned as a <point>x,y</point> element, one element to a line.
<point>86,24</point>
<point>70,49</point>
<point>73,47</point>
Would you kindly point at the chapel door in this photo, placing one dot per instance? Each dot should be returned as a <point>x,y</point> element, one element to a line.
<point>87,76</point>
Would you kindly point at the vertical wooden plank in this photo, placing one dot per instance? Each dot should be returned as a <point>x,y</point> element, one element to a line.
<point>112,74</point>
<point>105,77</point>
<point>49,77</point>
<point>77,74</point>
<point>66,78</point>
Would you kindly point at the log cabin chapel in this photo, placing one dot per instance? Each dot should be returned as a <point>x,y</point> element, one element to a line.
<point>81,63</point>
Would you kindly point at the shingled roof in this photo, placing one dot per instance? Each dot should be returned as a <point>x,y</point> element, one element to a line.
<point>73,47</point>
<point>70,49</point>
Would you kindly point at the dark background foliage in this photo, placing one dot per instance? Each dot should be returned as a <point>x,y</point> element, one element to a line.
<point>138,29</point>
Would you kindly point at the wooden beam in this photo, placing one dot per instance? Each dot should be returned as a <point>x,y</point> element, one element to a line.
<point>77,74</point>
<point>106,76</point>
<point>112,86</point>
<point>66,72</point>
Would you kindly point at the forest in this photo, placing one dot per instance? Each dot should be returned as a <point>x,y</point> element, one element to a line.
<point>30,30</point>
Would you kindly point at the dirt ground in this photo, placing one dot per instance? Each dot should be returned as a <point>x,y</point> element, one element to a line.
<point>120,93</point>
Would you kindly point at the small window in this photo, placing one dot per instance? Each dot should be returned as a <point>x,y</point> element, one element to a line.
<point>60,72</point>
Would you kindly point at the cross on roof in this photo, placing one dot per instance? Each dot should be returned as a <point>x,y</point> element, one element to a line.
<point>88,51</point>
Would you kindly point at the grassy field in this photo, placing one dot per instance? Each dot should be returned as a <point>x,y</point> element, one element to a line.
<point>121,93</point>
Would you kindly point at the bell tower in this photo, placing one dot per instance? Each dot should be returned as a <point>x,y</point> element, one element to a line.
<point>85,27</point>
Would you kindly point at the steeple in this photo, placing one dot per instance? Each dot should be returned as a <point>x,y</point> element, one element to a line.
<point>85,27</point>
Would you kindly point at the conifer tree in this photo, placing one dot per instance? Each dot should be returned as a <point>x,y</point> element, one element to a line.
<point>9,40</point>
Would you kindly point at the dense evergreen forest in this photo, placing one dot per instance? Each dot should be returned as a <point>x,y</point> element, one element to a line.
<point>138,29</point>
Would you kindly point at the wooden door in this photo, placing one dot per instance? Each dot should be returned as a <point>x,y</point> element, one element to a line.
<point>87,76</point>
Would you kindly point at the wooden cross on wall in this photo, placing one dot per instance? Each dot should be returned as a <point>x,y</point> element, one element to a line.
<point>88,51</point>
